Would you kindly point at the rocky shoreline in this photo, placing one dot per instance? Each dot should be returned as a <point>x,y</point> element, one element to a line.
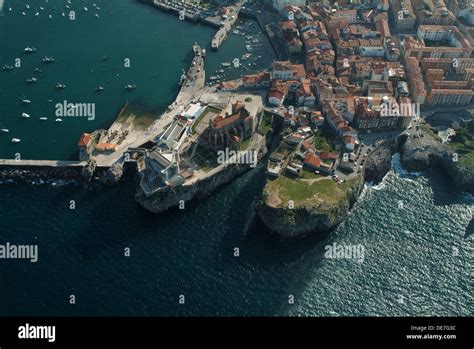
<point>417,154</point>
<point>420,154</point>
<point>88,175</point>
<point>162,201</point>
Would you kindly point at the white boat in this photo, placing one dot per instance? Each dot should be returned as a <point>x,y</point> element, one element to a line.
<point>60,86</point>
<point>97,15</point>
<point>225,64</point>
<point>47,59</point>
<point>5,130</point>
<point>16,140</point>
<point>86,9</point>
<point>31,80</point>
<point>99,88</point>
<point>27,6</point>
<point>37,14</point>
<point>23,14</point>
<point>25,101</point>
<point>30,49</point>
<point>130,87</point>
<point>43,118</point>
<point>58,120</point>
<point>24,115</point>
<point>50,16</point>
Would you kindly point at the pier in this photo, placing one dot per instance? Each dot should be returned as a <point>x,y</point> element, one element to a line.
<point>192,84</point>
<point>32,164</point>
<point>193,13</point>
<point>226,25</point>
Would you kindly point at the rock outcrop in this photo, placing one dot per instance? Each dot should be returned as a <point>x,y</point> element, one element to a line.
<point>88,170</point>
<point>164,200</point>
<point>379,161</point>
<point>422,153</point>
<point>317,216</point>
<point>113,175</point>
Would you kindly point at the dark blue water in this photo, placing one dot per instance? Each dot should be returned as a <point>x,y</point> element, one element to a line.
<point>418,260</point>
<point>410,267</point>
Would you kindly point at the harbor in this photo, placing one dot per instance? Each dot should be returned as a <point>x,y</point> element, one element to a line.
<point>111,153</point>
<point>223,18</point>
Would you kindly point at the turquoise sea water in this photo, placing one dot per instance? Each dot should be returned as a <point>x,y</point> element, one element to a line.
<point>418,260</point>
<point>158,47</point>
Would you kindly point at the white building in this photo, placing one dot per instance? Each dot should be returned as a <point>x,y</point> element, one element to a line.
<point>279,5</point>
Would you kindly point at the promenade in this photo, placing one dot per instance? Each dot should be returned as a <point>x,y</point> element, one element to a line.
<point>191,88</point>
<point>40,163</point>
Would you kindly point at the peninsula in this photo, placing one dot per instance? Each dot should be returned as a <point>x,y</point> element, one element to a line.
<point>360,84</point>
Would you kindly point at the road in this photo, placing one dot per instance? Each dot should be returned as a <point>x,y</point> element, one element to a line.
<point>192,87</point>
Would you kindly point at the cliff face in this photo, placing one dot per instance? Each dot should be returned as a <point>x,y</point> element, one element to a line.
<point>379,161</point>
<point>419,154</point>
<point>162,201</point>
<point>318,216</point>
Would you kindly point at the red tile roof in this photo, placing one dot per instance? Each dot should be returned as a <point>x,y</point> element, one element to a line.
<point>84,140</point>
<point>312,160</point>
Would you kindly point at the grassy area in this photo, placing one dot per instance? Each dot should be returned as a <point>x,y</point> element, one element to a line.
<point>305,174</point>
<point>202,115</point>
<point>323,141</point>
<point>463,144</point>
<point>426,128</point>
<point>245,144</point>
<point>301,192</point>
<point>265,124</point>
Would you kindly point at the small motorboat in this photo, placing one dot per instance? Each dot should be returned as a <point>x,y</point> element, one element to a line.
<point>99,88</point>
<point>24,115</point>
<point>5,130</point>
<point>43,118</point>
<point>16,140</point>
<point>25,101</point>
<point>60,86</point>
<point>58,120</point>
<point>31,80</point>
<point>30,49</point>
<point>47,59</point>
<point>130,87</point>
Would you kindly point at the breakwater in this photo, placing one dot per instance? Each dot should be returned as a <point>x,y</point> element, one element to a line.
<point>46,171</point>
<point>194,13</point>
<point>32,170</point>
